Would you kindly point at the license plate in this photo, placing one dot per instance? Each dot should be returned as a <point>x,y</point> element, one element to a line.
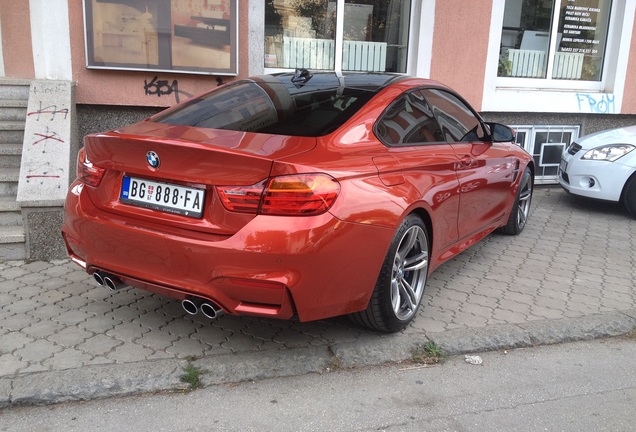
<point>167,197</point>
<point>563,166</point>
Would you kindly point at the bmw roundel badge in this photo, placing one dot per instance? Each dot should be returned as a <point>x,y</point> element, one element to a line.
<point>153,159</point>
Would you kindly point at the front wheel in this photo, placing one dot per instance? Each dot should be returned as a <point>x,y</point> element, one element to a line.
<point>398,291</point>
<point>521,207</point>
<point>629,196</point>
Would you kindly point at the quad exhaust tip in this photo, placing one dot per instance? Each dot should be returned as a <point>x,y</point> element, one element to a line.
<point>108,280</point>
<point>193,305</point>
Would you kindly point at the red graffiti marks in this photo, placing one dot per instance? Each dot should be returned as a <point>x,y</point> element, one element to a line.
<point>51,109</point>
<point>47,136</point>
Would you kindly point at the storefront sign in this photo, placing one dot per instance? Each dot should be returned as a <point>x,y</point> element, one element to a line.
<point>193,36</point>
<point>584,26</point>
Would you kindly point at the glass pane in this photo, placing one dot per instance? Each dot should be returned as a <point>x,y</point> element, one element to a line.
<point>583,35</point>
<point>409,120</point>
<point>548,146</point>
<point>457,120</point>
<point>521,139</point>
<point>525,38</point>
<point>375,35</point>
<point>299,34</point>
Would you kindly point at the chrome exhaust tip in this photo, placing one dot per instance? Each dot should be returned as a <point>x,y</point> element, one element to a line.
<point>211,310</point>
<point>191,305</point>
<point>113,282</point>
<point>99,278</point>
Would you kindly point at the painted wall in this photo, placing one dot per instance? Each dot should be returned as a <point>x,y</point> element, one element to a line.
<point>51,50</point>
<point>460,46</point>
<point>16,39</point>
<point>142,88</point>
<point>629,100</point>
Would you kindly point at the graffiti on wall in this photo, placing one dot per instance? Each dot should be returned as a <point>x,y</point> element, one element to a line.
<point>50,110</point>
<point>596,103</point>
<point>164,88</point>
<point>46,169</point>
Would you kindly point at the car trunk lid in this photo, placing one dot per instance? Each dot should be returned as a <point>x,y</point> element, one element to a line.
<point>190,157</point>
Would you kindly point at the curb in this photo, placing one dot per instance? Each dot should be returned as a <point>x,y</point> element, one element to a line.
<point>102,381</point>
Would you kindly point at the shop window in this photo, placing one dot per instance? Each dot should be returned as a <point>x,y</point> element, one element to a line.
<point>367,35</point>
<point>546,144</point>
<point>554,39</point>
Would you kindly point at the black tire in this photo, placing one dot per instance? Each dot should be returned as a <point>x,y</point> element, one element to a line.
<point>629,196</point>
<point>400,286</point>
<point>521,207</point>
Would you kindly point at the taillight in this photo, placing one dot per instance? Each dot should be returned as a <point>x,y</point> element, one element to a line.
<point>244,199</point>
<point>87,172</point>
<point>294,195</point>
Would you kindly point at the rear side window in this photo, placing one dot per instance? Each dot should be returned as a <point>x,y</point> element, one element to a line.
<point>409,120</point>
<point>269,108</point>
<point>428,116</point>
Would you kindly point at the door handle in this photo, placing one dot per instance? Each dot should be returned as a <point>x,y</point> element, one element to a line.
<point>466,162</point>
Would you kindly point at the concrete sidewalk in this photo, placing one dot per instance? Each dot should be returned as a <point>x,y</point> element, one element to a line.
<point>568,276</point>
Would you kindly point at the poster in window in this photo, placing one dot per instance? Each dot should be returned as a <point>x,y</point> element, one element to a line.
<point>583,28</point>
<point>190,36</point>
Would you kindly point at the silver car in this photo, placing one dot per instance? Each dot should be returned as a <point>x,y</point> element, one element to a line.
<point>602,166</point>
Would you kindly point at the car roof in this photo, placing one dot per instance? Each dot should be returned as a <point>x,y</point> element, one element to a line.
<point>304,80</point>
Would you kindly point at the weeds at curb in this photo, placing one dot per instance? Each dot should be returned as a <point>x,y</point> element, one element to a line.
<point>428,353</point>
<point>631,334</point>
<point>191,376</point>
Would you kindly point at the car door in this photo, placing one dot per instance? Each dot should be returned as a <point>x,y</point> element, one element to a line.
<point>413,137</point>
<point>485,169</point>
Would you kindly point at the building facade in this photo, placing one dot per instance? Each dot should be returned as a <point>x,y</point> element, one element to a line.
<point>552,69</point>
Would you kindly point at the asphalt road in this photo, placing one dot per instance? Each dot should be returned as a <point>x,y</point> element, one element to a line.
<point>568,387</point>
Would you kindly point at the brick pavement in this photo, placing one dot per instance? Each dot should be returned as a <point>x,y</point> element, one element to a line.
<point>569,275</point>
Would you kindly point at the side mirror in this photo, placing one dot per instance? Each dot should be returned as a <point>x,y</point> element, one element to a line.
<point>501,133</point>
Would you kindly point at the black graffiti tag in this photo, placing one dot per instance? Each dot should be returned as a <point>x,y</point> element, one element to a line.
<point>164,88</point>
<point>51,109</point>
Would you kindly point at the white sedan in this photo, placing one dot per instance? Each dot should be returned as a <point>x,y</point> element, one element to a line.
<point>602,166</point>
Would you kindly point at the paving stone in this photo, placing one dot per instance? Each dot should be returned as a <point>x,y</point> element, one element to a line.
<point>16,322</point>
<point>42,329</point>
<point>185,347</point>
<point>69,358</point>
<point>127,331</point>
<point>70,336</point>
<point>99,345</point>
<point>157,340</point>
<point>50,297</point>
<point>10,365</point>
<point>129,353</point>
<point>98,324</point>
<point>14,273</point>
<point>32,278</point>
<point>239,342</point>
<point>37,266</point>
<point>37,351</point>
<point>72,317</point>
<point>293,339</point>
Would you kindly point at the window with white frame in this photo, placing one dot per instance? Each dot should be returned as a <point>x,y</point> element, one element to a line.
<point>352,35</point>
<point>546,144</point>
<point>554,39</point>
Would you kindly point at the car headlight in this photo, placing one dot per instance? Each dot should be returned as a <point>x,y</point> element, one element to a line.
<point>609,152</point>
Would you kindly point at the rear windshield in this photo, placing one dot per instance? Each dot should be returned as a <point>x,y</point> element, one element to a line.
<point>271,107</point>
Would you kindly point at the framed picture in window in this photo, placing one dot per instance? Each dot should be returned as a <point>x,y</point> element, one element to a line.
<point>190,36</point>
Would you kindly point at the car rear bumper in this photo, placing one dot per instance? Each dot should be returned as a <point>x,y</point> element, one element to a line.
<point>273,267</point>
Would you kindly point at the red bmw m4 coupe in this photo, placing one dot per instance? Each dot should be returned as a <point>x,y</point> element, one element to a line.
<point>302,196</point>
